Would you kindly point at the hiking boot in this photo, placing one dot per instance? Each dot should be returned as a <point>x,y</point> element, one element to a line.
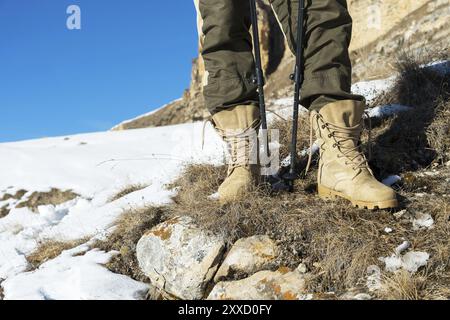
<point>238,127</point>
<point>343,168</point>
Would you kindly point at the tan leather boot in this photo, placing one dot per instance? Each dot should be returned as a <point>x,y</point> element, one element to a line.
<point>343,169</point>
<point>238,127</point>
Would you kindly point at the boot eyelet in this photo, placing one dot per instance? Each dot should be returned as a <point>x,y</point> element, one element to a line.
<point>323,127</point>
<point>330,135</point>
<point>334,145</point>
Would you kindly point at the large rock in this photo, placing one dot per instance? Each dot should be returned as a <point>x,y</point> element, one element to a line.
<point>247,256</point>
<point>180,258</point>
<point>264,285</point>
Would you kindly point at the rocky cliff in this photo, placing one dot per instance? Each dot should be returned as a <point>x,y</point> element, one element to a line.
<point>382,29</point>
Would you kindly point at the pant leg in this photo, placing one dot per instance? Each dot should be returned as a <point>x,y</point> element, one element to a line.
<point>226,48</point>
<point>326,56</point>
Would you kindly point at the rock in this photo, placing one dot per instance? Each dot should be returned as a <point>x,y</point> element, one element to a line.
<point>180,258</point>
<point>248,256</point>
<point>264,285</point>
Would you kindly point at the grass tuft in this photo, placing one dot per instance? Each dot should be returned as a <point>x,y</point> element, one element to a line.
<point>130,227</point>
<point>51,249</point>
<point>53,197</point>
<point>127,190</point>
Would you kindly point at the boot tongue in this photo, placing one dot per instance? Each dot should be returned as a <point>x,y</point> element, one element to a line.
<point>236,118</point>
<point>345,113</point>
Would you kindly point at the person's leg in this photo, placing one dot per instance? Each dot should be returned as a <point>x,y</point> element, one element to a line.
<point>229,89</point>
<point>327,61</point>
<point>336,113</point>
<point>226,48</point>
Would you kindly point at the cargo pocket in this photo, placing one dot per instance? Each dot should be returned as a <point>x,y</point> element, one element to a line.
<point>223,93</point>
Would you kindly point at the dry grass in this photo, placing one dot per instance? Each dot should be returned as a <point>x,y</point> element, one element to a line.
<point>438,132</point>
<point>4,211</point>
<point>127,190</point>
<point>401,286</point>
<point>412,140</point>
<point>50,250</point>
<point>129,229</point>
<point>54,197</point>
<point>17,196</point>
<point>285,128</point>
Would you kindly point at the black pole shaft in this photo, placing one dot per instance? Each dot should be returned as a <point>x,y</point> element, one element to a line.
<point>259,77</point>
<point>298,78</point>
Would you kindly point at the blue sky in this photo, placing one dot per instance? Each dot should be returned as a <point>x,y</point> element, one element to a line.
<point>129,57</point>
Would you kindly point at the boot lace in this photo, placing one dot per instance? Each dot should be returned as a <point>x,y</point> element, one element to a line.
<point>352,151</point>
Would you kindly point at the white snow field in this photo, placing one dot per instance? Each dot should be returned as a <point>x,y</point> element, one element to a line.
<point>96,166</point>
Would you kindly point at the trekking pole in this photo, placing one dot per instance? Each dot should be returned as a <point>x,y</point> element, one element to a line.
<point>259,79</point>
<point>297,77</point>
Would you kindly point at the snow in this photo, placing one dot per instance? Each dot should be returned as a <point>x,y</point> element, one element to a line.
<point>385,111</point>
<point>422,221</point>
<point>411,261</point>
<point>442,66</point>
<point>75,274</point>
<point>371,89</point>
<point>391,180</point>
<point>91,163</point>
<point>283,108</point>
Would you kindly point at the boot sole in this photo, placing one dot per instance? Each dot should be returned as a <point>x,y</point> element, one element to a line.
<point>328,194</point>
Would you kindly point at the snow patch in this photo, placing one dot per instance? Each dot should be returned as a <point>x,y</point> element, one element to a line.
<point>411,261</point>
<point>386,110</point>
<point>391,180</point>
<point>371,89</point>
<point>75,274</point>
<point>422,221</point>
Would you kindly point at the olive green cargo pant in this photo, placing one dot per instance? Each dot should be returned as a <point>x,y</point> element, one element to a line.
<point>226,48</point>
